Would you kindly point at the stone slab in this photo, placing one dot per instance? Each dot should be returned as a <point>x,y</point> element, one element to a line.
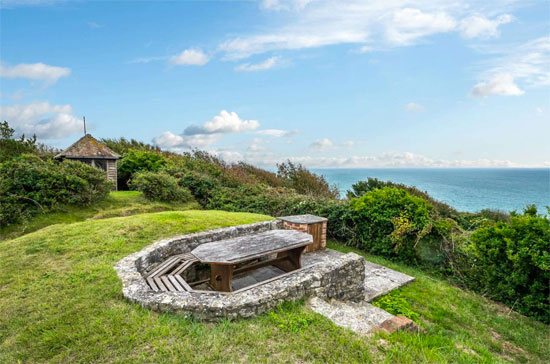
<point>380,280</point>
<point>302,219</point>
<point>360,317</point>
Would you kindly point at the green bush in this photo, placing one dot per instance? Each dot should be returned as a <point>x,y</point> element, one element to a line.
<point>305,182</point>
<point>159,187</point>
<point>512,263</point>
<point>10,147</point>
<point>201,185</point>
<point>391,222</point>
<point>29,184</point>
<point>360,188</point>
<point>135,161</point>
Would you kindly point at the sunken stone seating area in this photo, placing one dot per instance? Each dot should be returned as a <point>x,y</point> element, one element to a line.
<point>166,277</point>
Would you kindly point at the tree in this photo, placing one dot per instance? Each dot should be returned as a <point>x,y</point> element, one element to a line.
<point>11,147</point>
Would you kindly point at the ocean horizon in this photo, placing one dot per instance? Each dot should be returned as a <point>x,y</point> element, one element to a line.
<point>465,189</point>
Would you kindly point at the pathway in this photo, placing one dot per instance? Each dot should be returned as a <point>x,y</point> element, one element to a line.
<point>362,317</point>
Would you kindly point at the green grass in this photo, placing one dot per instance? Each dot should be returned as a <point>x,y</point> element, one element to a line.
<point>61,302</point>
<point>121,203</point>
<point>461,326</point>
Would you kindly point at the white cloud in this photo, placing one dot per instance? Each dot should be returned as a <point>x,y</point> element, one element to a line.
<point>189,57</point>
<point>373,24</point>
<point>228,156</point>
<point>385,160</point>
<point>277,132</point>
<point>265,65</point>
<point>502,84</point>
<point>224,122</point>
<point>522,66</point>
<point>409,24</point>
<point>171,141</point>
<point>322,144</point>
<point>257,145</point>
<point>480,26</point>
<point>43,119</point>
<point>411,106</point>
<point>207,134</point>
<point>35,71</point>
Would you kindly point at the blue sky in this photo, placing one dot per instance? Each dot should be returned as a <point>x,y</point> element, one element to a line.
<point>326,83</point>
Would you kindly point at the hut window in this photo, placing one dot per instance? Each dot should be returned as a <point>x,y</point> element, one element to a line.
<point>101,164</point>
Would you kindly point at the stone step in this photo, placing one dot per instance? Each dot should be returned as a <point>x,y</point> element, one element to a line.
<point>359,317</point>
<point>380,280</point>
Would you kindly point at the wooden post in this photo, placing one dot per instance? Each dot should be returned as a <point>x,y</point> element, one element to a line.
<point>221,276</point>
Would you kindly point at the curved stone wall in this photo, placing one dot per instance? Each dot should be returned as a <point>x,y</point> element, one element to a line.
<point>340,277</point>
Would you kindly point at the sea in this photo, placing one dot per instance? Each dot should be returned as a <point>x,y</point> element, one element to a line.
<point>465,189</point>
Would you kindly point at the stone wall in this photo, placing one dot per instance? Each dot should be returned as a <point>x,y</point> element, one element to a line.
<point>341,278</point>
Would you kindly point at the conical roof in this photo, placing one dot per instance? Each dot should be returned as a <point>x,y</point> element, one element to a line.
<point>88,147</point>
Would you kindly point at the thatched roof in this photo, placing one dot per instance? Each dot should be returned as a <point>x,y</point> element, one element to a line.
<point>88,147</point>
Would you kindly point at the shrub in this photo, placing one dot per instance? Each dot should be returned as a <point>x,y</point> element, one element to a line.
<point>512,263</point>
<point>391,222</point>
<point>362,187</point>
<point>123,145</point>
<point>201,185</point>
<point>160,187</point>
<point>138,161</point>
<point>303,181</point>
<point>29,184</point>
<point>10,147</point>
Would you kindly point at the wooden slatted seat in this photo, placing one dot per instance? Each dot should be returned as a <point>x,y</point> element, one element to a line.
<point>167,275</point>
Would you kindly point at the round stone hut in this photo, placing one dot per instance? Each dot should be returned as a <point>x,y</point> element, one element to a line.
<point>90,151</point>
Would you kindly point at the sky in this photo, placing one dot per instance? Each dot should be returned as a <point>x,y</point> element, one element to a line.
<point>347,83</point>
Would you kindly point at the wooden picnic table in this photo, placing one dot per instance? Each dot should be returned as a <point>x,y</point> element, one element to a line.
<point>223,255</point>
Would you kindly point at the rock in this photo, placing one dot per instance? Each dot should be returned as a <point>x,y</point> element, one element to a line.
<point>399,323</point>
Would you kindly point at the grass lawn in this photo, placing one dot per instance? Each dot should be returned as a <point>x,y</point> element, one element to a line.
<point>121,203</point>
<point>61,302</point>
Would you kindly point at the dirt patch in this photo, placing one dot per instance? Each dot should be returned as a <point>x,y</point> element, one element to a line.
<point>508,347</point>
<point>467,350</point>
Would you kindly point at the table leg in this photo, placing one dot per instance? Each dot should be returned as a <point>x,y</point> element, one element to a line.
<point>293,259</point>
<point>221,276</point>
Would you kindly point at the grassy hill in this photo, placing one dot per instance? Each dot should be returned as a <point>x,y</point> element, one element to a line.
<point>121,203</point>
<point>61,302</point>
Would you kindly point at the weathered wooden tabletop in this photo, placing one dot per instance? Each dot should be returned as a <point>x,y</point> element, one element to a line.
<point>243,248</point>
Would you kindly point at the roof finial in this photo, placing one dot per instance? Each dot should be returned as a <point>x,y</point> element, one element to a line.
<point>84,119</point>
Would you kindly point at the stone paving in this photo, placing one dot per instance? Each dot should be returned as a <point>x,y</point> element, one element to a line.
<point>362,317</point>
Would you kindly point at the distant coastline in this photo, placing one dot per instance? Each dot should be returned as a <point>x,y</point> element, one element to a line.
<point>466,189</point>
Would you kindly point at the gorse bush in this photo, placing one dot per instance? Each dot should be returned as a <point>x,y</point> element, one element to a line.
<point>512,263</point>
<point>160,187</point>
<point>135,161</point>
<point>29,184</point>
<point>301,180</point>
<point>391,222</point>
<point>360,188</point>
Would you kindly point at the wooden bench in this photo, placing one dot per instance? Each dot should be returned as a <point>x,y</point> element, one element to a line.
<point>223,255</point>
